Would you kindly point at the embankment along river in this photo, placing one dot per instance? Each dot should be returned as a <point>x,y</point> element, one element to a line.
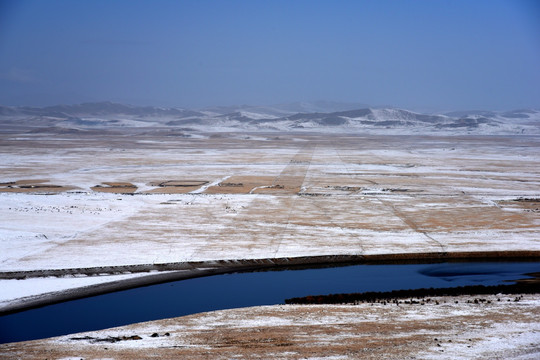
<point>246,289</point>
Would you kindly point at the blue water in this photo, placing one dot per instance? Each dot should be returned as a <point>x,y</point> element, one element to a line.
<point>245,289</point>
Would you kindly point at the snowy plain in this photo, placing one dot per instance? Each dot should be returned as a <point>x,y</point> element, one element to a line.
<point>265,196</point>
<point>369,195</point>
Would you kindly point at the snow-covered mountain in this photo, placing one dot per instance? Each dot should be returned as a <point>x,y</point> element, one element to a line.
<point>290,108</point>
<point>107,115</point>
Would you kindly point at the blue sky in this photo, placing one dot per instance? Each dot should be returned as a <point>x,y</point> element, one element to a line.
<point>430,55</point>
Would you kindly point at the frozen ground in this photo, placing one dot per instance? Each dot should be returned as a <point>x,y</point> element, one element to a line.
<point>463,327</point>
<point>262,198</point>
<point>257,197</point>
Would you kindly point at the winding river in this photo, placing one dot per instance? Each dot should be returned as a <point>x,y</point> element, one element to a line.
<point>246,289</point>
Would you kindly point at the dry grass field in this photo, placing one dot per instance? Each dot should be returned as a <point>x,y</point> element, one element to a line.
<point>76,201</point>
<point>231,197</point>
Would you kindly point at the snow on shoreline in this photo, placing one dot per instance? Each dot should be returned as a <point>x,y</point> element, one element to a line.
<point>443,328</point>
<point>14,291</point>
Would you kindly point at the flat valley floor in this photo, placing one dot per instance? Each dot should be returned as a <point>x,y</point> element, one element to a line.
<point>79,200</point>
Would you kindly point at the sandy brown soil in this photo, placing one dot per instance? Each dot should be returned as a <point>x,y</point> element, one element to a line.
<point>479,327</point>
<point>175,186</point>
<point>33,186</point>
<point>115,187</point>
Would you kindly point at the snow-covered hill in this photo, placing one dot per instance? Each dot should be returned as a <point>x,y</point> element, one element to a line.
<point>107,115</point>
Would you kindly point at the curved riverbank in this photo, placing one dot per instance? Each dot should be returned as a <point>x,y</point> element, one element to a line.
<point>522,287</point>
<point>188,270</point>
<point>242,264</point>
<point>458,328</point>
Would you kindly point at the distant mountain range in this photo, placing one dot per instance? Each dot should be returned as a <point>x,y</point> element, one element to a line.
<point>314,117</point>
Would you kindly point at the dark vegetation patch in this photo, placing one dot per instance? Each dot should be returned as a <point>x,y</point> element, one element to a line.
<point>109,339</point>
<point>179,183</point>
<point>522,199</point>
<point>344,188</point>
<point>38,186</point>
<point>313,194</point>
<point>392,296</point>
<point>229,184</point>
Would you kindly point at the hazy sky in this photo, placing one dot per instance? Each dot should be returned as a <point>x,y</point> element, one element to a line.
<point>433,54</point>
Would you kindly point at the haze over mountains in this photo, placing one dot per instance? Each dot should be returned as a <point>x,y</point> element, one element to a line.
<point>316,117</point>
